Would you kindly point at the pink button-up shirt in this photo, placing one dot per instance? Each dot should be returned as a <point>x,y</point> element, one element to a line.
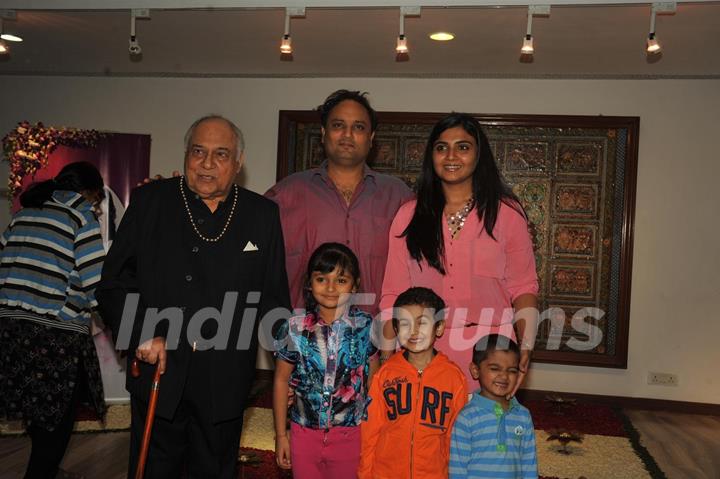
<point>483,278</point>
<point>313,212</point>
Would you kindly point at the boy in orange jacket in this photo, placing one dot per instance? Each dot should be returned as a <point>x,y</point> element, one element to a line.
<point>415,397</point>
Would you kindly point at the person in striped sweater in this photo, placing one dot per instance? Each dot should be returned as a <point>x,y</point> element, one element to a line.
<point>51,256</point>
<point>493,436</point>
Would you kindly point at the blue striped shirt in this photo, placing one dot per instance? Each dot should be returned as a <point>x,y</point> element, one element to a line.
<point>489,442</point>
<point>50,262</point>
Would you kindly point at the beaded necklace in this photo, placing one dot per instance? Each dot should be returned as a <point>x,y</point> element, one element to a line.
<point>456,221</point>
<point>192,221</point>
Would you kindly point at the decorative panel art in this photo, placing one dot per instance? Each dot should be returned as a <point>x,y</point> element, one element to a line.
<point>575,177</point>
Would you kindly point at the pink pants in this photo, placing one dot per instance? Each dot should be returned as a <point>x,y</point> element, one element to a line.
<point>317,454</point>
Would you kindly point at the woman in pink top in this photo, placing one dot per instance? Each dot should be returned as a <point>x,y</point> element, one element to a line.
<point>466,237</point>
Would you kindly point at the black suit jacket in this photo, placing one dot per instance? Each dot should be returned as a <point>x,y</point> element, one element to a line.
<point>157,255</point>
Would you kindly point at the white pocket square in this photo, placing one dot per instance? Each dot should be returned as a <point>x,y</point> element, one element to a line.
<point>250,247</point>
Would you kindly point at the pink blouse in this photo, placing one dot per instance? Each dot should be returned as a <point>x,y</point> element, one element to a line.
<point>483,278</point>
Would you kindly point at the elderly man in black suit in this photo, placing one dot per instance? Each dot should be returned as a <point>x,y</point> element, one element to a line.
<point>196,264</point>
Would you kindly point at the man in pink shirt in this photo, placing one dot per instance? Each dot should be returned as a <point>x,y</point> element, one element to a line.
<point>343,200</point>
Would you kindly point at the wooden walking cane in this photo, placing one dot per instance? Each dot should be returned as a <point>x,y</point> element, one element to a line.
<point>154,390</point>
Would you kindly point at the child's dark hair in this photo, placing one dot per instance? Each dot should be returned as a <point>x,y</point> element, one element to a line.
<point>425,297</point>
<point>493,342</point>
<point>325,259</point>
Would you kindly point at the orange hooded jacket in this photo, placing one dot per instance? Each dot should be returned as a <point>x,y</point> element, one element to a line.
<point>410,418</point>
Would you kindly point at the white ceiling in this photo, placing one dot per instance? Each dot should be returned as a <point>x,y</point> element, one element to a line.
<point>575,41</point>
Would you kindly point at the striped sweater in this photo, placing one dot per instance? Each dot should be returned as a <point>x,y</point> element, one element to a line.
<point>50,262</point>
<point>488,442</point>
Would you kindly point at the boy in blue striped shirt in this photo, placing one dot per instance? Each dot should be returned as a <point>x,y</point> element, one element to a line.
<point>493,437</point>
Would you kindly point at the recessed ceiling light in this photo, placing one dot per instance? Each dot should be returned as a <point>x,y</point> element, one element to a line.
<point>442,36</point>
<point>10,38</point>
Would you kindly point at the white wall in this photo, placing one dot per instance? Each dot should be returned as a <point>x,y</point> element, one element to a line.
<point>675,288</point>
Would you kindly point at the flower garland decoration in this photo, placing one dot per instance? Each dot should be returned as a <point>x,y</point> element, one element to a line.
<point>28,147</point>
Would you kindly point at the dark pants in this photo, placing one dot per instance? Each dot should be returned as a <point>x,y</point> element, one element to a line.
<point>48,447</point>
<point>190,442</point>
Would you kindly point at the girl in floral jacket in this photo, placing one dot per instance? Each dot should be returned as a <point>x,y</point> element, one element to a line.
<point>326,357</point>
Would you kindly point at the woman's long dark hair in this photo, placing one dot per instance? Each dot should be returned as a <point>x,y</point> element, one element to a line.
<point>78,177</point>
<point>325,259</point>
<point>424,233</point>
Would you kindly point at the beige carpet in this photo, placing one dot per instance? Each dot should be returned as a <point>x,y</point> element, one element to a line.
<point>597,457</point>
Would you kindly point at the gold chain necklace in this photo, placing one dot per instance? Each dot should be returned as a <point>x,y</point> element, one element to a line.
<point>192,222</point>
<point>456,221</point>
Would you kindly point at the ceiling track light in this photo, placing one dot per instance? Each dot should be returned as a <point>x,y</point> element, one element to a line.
<point>527,45</point>
<point>652,44</point>
<point>134,47</point>
<point>286,42</point>
<point>401,45</point>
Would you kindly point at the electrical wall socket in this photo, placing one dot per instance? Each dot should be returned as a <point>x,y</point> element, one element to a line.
<point>662,379</point>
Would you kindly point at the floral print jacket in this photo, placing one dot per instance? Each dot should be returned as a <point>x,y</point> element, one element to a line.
<point>331,367</point>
